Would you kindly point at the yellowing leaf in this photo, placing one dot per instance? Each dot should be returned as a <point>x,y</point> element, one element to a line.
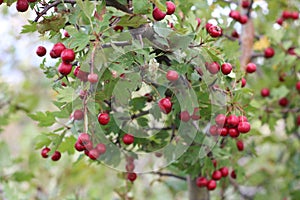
<point>261,44</point>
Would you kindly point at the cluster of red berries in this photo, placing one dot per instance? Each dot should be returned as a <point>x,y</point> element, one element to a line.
<point>84,143</point>
<point>285,15</point>
<point>185,115</point>
<point>213,30</point>
<point>216,176</point>
<point>131,176</point>
<point>231,125</point>
<point>214,68</point>
<point>159,15</point>
<point>234,14</point>
<point>55,156</point>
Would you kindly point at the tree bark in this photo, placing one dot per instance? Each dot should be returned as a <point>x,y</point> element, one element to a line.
<point>196,193</point>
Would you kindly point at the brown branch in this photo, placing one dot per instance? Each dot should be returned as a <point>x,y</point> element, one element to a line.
<point>169,175</point>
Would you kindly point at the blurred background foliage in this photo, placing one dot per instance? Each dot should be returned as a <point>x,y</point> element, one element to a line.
<point>24,174</point>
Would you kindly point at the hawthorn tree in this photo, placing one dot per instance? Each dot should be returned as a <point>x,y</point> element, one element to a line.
<point>184,89</point>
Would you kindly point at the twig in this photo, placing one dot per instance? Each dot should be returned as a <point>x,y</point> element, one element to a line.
<point>170,175</point>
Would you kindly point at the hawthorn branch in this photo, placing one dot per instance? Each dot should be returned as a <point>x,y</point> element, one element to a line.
<point>169,175</point>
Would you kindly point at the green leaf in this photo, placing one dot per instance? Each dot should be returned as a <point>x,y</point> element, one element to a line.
<point>21,176</point>
<point>279,92</point>
<point>87,7</point>
<point>67,145</point>
<point>44,119</point>
<point>132,21</point>
<point>66,94</point>
<point>180,41</point>
<point>138,103</point>
<point>29,28</point>
<point>142,6</point>
<point>42,141</point>
<point>55,23</point>
<point>79,41</point>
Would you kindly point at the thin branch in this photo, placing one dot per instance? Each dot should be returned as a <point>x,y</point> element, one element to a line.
<point>169,175</point>
<point>119,44</point>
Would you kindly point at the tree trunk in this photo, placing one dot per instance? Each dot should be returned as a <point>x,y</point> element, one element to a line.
<point>196,193</point>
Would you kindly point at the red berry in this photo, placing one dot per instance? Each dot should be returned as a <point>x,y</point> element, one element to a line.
<point>207,26</point>
<point>211,185</point>
<point>22,5</point>
<point>170,7</point>
<point>94,154</point>
<point>235,15</point>
<point>41,51</point>
<point>224,171</point>
<point>223,131</point>
<point>66,34</point>
<point>128,139</point>
<point>56,156</point>
<point>215,31</point>
<point>131,176</point>
<point>283,102</point>
<point>298,85</point>
<point>233,174</point>
<point>201,182</point>
<point>226,68</point>
<point>157,14</point>
<point>233,132</point>
<point>244,127</point>
<point>101,148</point>
<point>198,22</point>
<point>149,97</point>
<point>243,119</point>
<point>215,163</point>
<point>103,118</point>
<point>295,15</point>
<point>172,75</point>
<point>79,147</point>
<point>235,34</point>
<point>265,92</point>
<point>269,52</point>
<point>217,175</point>
<point>213,67</point>
<point>245,3</point>
<point>93,78</point>
<point>244,82</point>
<point>298,120</point>
<point>78,115</point>
<point>88,145</point>
<point>65,68</point>
<point>196,114</point>
<point>286,14</point>
<point>67,55</point>
<point>232,121</point>
<point>130,167</point>
<point>83,138</point>
<point>165,105</point>
<point>240,145</point>
<point>213,130</point>
<point>45,152</point>
<point>184,116</point>
<point>118,28</point>
<point>220,120</point>
<point>279,21</point>
<point>251,67</point>
<point>57,49</point>
<point>243,19</point>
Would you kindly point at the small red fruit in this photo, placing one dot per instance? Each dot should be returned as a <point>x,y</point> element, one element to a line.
<point>235,34</point>
<point>41,51</point>
<point>79,147</point>
<point>66,34</point>
<point>207,26</point>
<point>243,119</point>
<point>223,131</point>
<point>103,118</point>
<point>101,148</point>
<point>172,75</point>
<point>213,67</point>
<point>295,15</point>
<point>286,14</point>
<point>240,145</point>
<point>67,55</point>
<point>235,15</point>
<point>265,92</point>
<point>298,85</point>
<point>279,21</point>
<point>224,171</point>
<point>213,130</point>
<point>83,138</point>
<point>226,68</point>
<point>118,28</point>
<point>93,78</point>
<point>45,152</point>
<point>65,68</point>
<point>233,132</point>
<point>211,185</point>
<point>283,102</point>
<point>217,175</point>
<point>251,67</point>
<point>201,182</point>
<point>269,52</point>
<point>170,7</point>
<point>245,3</point>
<point>157,14</point>
<point>57,49</point>
<point>243,19</point>
<point>298,120</point>
<point>196,114</point>
<point>184,116</point>
<point>220,120</point>
<point>56,156</point>
<point>215,31</point>
<point>94,154</point>
<point>22,5</point>
<point>232,121</point>
<point>165,105</point>
<point>128,139</point>
<point>244,82</point>
<point>129,167</point>
<point>131,176</point>
<point>244,127</point>
<point>233,174</point>
<point>78,115</point>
